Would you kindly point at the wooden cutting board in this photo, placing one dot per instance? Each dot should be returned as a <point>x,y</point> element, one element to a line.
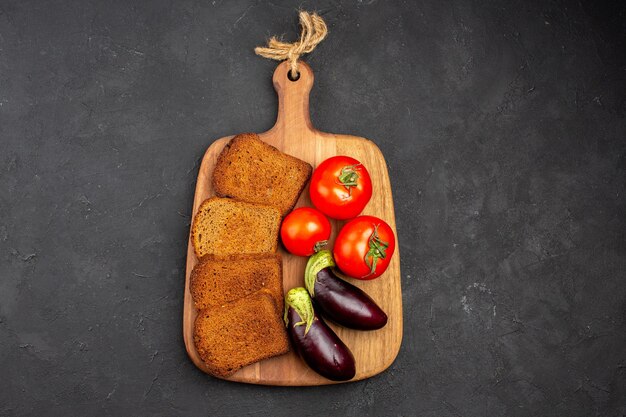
<point>294,134</point>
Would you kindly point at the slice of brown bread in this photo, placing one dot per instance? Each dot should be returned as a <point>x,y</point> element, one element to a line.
<point>225,227</point>
<point>249,169</point>
<point>240,333</point>
<point>216,281</point>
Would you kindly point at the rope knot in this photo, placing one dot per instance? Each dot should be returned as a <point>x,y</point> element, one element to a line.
<point>314,31</point>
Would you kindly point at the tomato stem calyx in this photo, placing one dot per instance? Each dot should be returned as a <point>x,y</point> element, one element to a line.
<point>377,250</point>
<point>349,176</point>
<point>319,245</point>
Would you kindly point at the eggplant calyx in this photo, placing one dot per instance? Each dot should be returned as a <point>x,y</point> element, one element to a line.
<point>317,262</point>
<point>298,299</point>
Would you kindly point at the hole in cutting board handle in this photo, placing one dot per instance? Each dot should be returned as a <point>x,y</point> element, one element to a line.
<point>296,78</point>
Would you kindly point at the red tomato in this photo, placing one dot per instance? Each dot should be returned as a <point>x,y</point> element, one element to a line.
<point>303,229</point>
<point>364,247</point>
<point>340,187</point>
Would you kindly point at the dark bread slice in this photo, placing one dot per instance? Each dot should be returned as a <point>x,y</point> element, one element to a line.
<point>240,333</point>
<point>225,227</point>
<point>218,280</point>
<point>249,169</point>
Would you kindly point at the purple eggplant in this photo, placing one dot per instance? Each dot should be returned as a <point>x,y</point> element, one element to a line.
<point>314,341</point>
<point>338,300</point>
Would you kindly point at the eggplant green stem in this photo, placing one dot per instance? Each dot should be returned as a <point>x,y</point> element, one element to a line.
<point>317,262</point>
<point>298,299</point>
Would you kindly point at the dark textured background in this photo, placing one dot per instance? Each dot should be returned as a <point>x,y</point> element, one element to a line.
<point>503,124</point>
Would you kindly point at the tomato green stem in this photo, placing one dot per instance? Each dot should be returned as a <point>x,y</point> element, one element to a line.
<point>349,177</point>
<point>319,245</point>
<point>377,250</point>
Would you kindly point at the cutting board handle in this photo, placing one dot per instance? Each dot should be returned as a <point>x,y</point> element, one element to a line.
<point>293,99</point>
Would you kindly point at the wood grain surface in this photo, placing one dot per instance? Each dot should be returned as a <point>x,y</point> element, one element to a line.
<point>294,134</point>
